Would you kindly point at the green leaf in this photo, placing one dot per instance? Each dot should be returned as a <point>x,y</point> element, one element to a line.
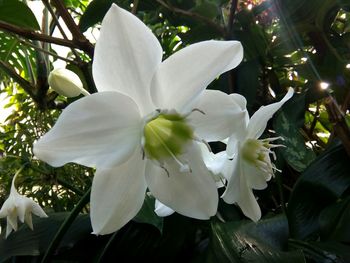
<point>147,214</point>
<point>95,12</point>
<point>334,221</point>
<point>247,81</point>
<point>27,242</point>
<point>17,13</point>
<point>287,125</point>
<point>246,241</point>
<point>322,183</point>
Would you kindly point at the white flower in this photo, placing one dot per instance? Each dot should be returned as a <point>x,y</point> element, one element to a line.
<point>19,206</point>
<point>66,83</point>
<point>248,165</point>
<point>140,129</point>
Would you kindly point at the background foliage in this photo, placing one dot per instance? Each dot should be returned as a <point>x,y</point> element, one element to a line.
<point>287,43</point>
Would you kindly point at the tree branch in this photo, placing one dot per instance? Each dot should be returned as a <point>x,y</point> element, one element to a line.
<point>233,9</point>
<point>26,33</point>
<point>78,36</point>
<point>336,116</point>
<point>196,16</point>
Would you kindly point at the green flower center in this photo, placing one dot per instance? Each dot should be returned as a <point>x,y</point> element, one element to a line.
<point>253,150</point>
<point>166,136</point>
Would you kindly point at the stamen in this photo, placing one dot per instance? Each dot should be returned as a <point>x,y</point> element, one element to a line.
<point>198,110</point>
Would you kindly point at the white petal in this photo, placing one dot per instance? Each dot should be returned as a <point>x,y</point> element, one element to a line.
<point>117,194</point>
<point>185,74</point>
<point>126,56</point>
<point>238,191</point>
<point>162,210</point>
<point>222,116</point>
<point>96,130</point>
<point>258,121</point>
<point>232,175</point>
<point>248,203</point>
<point>255,178</point>
<point>192,194</point>
<point>8,228</point>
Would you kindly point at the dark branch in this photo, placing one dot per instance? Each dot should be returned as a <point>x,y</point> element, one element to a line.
<point>196,16</point>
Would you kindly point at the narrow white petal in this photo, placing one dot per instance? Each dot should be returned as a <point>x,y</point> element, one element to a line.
<point>258,121</point>
<point>255,178</point>
<point>185,74</point>
<point>192,194</point>
<point>239,192</point>
<point>126,56</point>
<point>37,210</point>
<point>9,228</point>
<point>248,203</point>
<point>162,210</point>
<point>223,115</point>
<point>232,174</point>
<point>117,194</point>
<point>96,130</point>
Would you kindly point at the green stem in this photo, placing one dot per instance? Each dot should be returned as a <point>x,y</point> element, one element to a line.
<point>64,227</point>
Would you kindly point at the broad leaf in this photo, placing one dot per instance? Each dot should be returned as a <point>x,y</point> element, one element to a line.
<point>322,183</point>
<point>17,13</point>
<point>246,241</point>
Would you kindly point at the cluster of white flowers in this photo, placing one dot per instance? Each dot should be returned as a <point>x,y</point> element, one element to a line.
<point>149,125</point>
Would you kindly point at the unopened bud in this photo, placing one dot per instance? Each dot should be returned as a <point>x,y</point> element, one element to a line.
<point>66,83</point>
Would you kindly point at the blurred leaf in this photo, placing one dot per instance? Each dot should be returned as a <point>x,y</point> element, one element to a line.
<point>321,184</point>
<point>15,54</point>
<point>246,241</point>
<point>17,13</point>
<point>334,221</point>
<point>247,80</point>
<point>27,242</point>
<point>147,214</point>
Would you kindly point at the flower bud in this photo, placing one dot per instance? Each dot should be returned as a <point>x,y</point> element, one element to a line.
<point>66,83</point>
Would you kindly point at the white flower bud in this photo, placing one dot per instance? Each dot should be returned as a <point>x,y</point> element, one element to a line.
<point>66,83</point>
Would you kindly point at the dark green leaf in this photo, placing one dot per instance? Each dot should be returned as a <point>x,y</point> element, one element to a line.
<point>322,183</point>
<point>17,13</point>
<point>28,242</point>
<point>147,214</point>
<point>287,125</point>
<point>246,241</point>
<point>334,221</point>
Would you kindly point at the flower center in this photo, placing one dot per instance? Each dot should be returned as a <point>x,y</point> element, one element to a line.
<point>166,135</point>
<point>257,153</point>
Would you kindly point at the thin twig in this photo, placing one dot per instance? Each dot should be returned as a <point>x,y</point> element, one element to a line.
<point>196,16</point>
<point>47,52</point>
<point>135,6</point>
<point>60,28</point>
<point>26,85</point>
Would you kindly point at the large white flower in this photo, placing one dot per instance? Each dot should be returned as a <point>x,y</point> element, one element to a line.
<point>248,165</point>
<point>17,205</point>
<point>141,129</point>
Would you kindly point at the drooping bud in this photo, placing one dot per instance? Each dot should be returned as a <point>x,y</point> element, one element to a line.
<point>21,207</point>
<point>66,83</point>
